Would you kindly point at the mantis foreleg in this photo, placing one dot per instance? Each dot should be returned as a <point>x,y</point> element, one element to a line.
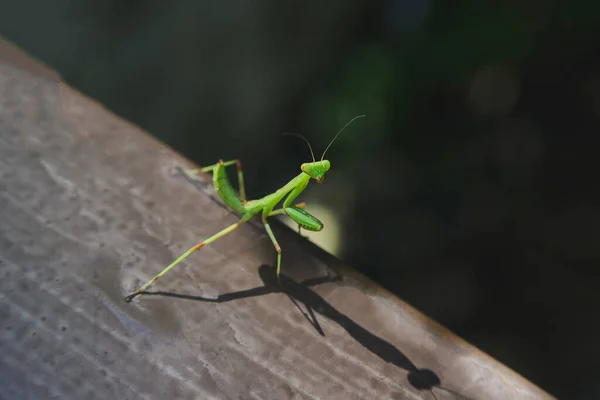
<point>282,210</point>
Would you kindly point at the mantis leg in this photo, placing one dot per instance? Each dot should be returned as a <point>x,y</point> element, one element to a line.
<point>282,210</point>
<point>184,255</point>
<point>274,240</point>
<point>240,172</point>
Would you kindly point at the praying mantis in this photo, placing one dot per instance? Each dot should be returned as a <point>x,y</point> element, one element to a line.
<point>265,206</point>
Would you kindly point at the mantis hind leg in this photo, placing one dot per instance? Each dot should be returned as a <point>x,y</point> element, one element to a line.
<point>185,255</point>
<point>240,172</point>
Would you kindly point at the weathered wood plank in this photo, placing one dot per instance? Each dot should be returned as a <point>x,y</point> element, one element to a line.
<point>90,207</point>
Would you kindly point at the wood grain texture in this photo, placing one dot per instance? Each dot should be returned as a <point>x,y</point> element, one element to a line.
<point>90,207</point>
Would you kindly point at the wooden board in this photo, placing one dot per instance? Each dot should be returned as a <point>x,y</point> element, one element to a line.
<point>90,207</point>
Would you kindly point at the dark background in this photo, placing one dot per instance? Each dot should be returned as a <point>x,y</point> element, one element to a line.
<point>470,190</point>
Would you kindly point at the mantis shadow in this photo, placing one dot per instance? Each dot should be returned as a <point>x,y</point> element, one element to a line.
<point>300,292</point>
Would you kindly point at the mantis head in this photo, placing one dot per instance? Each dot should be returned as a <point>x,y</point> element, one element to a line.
<point>318,169</point>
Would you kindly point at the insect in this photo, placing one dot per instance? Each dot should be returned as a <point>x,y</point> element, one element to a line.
<point>265,206</point>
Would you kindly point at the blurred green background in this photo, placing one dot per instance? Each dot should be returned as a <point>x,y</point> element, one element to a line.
<point>470,190</point>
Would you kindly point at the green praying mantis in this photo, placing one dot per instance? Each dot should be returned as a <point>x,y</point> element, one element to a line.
<point>265,206</point>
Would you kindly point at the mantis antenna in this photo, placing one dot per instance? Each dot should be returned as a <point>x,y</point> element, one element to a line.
<point>340,131</point>
<point>303,138</point>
